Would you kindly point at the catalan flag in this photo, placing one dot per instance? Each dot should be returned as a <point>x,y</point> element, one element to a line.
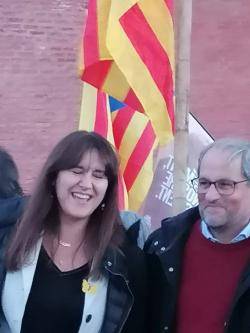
<point>135,141</point>
<point>128,53</point>
<point>95,116</point>
<point>95,112</point>
<point>131,133</point>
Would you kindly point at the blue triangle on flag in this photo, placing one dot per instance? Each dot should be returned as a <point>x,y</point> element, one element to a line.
<point>115,104</point>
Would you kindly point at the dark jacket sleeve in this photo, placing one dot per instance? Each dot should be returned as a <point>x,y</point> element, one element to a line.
<point>137,227</point>
<point>11,210</point>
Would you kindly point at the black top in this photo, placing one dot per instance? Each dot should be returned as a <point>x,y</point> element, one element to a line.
<point>56,301</point>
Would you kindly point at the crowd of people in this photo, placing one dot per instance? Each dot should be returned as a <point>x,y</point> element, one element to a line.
<point>71,262</point>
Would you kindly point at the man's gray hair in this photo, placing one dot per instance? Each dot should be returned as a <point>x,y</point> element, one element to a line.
<point>237,148</point>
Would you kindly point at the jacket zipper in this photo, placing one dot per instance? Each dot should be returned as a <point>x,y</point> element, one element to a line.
<point>126,281</point>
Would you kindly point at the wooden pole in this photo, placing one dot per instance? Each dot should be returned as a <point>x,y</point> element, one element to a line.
<point>182,19</point>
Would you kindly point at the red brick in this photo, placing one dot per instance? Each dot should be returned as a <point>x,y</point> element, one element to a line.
<point>39,96</point>
<point>40,92</point>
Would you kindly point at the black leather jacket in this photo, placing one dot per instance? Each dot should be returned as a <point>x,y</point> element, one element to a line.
<point>127,301</point>
<point>166,246</point>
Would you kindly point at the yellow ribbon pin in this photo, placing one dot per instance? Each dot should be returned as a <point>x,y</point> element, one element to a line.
<point>87,288</point>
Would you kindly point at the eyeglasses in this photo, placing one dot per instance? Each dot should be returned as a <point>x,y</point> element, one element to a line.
<point>223,186</point>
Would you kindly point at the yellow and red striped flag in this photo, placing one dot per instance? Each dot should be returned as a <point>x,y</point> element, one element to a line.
<point>135,141</point>
<point>95,116</point>
<point>128,52</point>
<point>131,133</point>
<point>95,112</point>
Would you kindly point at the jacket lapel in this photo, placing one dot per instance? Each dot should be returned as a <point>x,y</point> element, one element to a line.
<point>28,271</point>
<point>171,247</point>
<point>17,287</point>
<point>119,297</point>
<point>94,306</point>
<point>242,288</point>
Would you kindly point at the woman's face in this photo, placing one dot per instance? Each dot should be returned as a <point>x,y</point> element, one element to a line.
<point>80,190</point>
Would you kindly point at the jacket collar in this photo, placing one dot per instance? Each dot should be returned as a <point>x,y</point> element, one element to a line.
<point>169,248</point>
<point>175,232</point>
<point>17,286</point>
<point>174,229</point>
<point>115,262</point>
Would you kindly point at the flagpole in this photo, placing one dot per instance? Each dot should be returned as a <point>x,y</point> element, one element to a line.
<point>183,21</point>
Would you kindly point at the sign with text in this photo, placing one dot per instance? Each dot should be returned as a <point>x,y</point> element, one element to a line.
<point>159,201</point>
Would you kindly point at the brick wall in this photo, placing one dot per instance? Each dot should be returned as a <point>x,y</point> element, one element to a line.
<point>39,88</point>
<point>220,71</point>
<point>40,91</point>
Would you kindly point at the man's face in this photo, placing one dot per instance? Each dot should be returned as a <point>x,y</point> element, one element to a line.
<point>229,213</point>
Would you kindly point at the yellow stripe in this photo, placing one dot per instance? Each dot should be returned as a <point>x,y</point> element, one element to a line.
<point>103,8</point>
<point>110,136</point>
<point>125,194</point>
<point>161,22</point>
<point>88,108</point>
<point>133,132</point>
<point>115,83</point>
<point>119,91</point>
<point>137,74</point>
<point>113,115</point>
<point>142,183</point>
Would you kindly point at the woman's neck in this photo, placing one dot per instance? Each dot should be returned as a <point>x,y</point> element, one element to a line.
<point>71,231</point>
<point>67,248</point>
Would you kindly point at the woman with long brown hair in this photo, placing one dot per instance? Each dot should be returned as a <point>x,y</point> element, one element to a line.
<point>68,265</point>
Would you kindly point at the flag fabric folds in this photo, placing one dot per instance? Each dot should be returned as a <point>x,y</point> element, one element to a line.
<point>132,135</point>
<point>128,53</point>
<point>95,112</point>
<point>135,141</point>
<point>95,116</point>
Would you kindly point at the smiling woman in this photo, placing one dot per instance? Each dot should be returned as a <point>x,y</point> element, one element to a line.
<point>67,259</point>
<point>81,190</point>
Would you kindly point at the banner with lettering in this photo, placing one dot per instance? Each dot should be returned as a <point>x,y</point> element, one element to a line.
<point>159,201</point>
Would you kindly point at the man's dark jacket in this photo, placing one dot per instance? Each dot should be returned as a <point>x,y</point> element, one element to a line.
<point>166,246</point>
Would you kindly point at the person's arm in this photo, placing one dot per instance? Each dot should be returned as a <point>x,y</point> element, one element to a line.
<point>11,210</point>
<point>138,227</point>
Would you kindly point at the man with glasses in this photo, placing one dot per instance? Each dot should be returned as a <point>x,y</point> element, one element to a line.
<point>200,259</point>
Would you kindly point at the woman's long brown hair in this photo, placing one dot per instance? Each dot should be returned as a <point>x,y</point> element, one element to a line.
<point>42,213</point>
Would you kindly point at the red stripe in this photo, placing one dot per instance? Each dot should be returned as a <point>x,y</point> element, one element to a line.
<point>121,123</point>
<point>132,100</point>
<point>170,5</point>
<point>151,52</point>
<point>96,74</point>
<point>95,70</point>
<point>101,120</point>
<point>90,40</point>
<point>139,156</point>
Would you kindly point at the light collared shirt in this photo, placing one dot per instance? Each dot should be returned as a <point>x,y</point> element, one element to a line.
<point>244,234</point>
